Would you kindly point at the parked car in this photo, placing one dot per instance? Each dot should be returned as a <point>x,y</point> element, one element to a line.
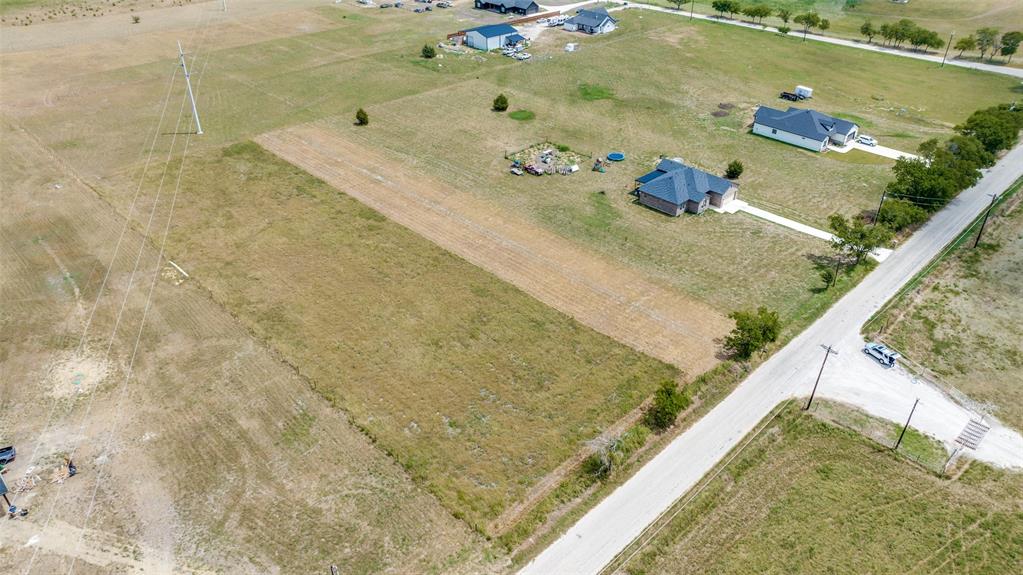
<point>7,454</point>
<point>419,10</point>
<point>789,96</point>
<point>428,8</point>
<point>523,56</point>
<point>444,4</point>
<point>385,5</point>
<point>867,141</point>
<point>883,354</point>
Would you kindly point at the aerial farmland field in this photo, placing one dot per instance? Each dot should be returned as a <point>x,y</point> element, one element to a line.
<point>291,331</point>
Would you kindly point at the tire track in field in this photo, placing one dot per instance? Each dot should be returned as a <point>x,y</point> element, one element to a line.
<point>607,296</point>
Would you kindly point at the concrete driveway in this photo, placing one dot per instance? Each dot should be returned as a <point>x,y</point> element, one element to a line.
<point>878,150</point>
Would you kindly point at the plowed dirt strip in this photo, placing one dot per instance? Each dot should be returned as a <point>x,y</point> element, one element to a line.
<point>609,297</point>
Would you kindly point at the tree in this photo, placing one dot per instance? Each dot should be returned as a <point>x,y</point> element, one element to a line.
<point>784,15</point>
<point>721,6</point>
<point>678,3</point>
<point>734,7</point>
<point>965,43</point>
<point>668,402</point>
<point>428,51</point>
<point>807,21</point>
<point>752,332</point>
<point>986,39</point>
<point>996,128</point>
<point>899,214</point>
<point>361,118</point>
<point>136,19</point>
<point>903,30</point>
<point>500,103</point>
<point>922,37</point>
<point>1010,43</point>
<point>784,29</point>
<point>855,238</point>
<point>734,169</point>
<point>757,12</point>
<point>887,31</point>
<point>868,30</point>
<point>824,24</point>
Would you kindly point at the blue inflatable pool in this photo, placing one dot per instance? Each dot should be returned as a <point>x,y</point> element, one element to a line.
<point>616,156</point>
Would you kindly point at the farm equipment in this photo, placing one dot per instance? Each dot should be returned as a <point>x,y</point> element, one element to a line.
<point>791,97</point>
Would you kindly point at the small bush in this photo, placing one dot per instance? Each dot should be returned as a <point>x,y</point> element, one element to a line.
<point>784,29</point>
<point>669,401</point>
<point>361,118</point>
<point>900,214</point>
<point>734,169</point>
<point>135,19</point>
<point>500,103</point>
<point>562,148</point>
<point>428,51</point>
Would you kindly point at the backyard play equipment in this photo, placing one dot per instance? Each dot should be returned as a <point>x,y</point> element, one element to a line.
<point>616,156</point>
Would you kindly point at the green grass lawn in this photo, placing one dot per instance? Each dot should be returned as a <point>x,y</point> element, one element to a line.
<point>963,322</point>
<point>599,100</point>
<point>809,497</point>
<point>476,388</point>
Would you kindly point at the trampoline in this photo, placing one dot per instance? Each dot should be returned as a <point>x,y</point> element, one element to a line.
<point>616,156</point>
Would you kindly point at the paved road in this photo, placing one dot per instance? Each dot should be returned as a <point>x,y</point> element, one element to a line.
<point>610,526</point>
<point>1017,72</point>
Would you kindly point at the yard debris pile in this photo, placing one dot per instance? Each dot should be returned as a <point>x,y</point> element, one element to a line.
<point>26,483</point>
<point>545,158</point>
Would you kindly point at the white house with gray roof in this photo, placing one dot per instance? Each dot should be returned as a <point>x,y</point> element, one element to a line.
<point>594,21</point>
<point>808,129</point>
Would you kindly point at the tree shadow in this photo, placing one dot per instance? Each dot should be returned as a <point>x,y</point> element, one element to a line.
<point>825,263</point>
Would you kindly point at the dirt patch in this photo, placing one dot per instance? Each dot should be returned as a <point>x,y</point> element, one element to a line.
<point>76,373</point>
<point>611,298</point>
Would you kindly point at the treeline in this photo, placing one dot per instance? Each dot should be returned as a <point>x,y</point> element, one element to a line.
<point>897,34</point>
<point>757,12</point>
<point>923,185</point>
<point>990,41</point>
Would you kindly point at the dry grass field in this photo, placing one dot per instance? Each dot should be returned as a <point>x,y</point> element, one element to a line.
<point>212,454</point>
<point>963,323</point>
<point>809,497</point>
<point>476,388</point>
<point>326,386</point>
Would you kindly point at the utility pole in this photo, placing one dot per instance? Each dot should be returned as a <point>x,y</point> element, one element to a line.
<point>905,427</point>
<point>191,96</point>
<point>947,46</point>
<point>877,214</point>
<point>827,352</point>
<point>994,197</point>
<point>692,6</point>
